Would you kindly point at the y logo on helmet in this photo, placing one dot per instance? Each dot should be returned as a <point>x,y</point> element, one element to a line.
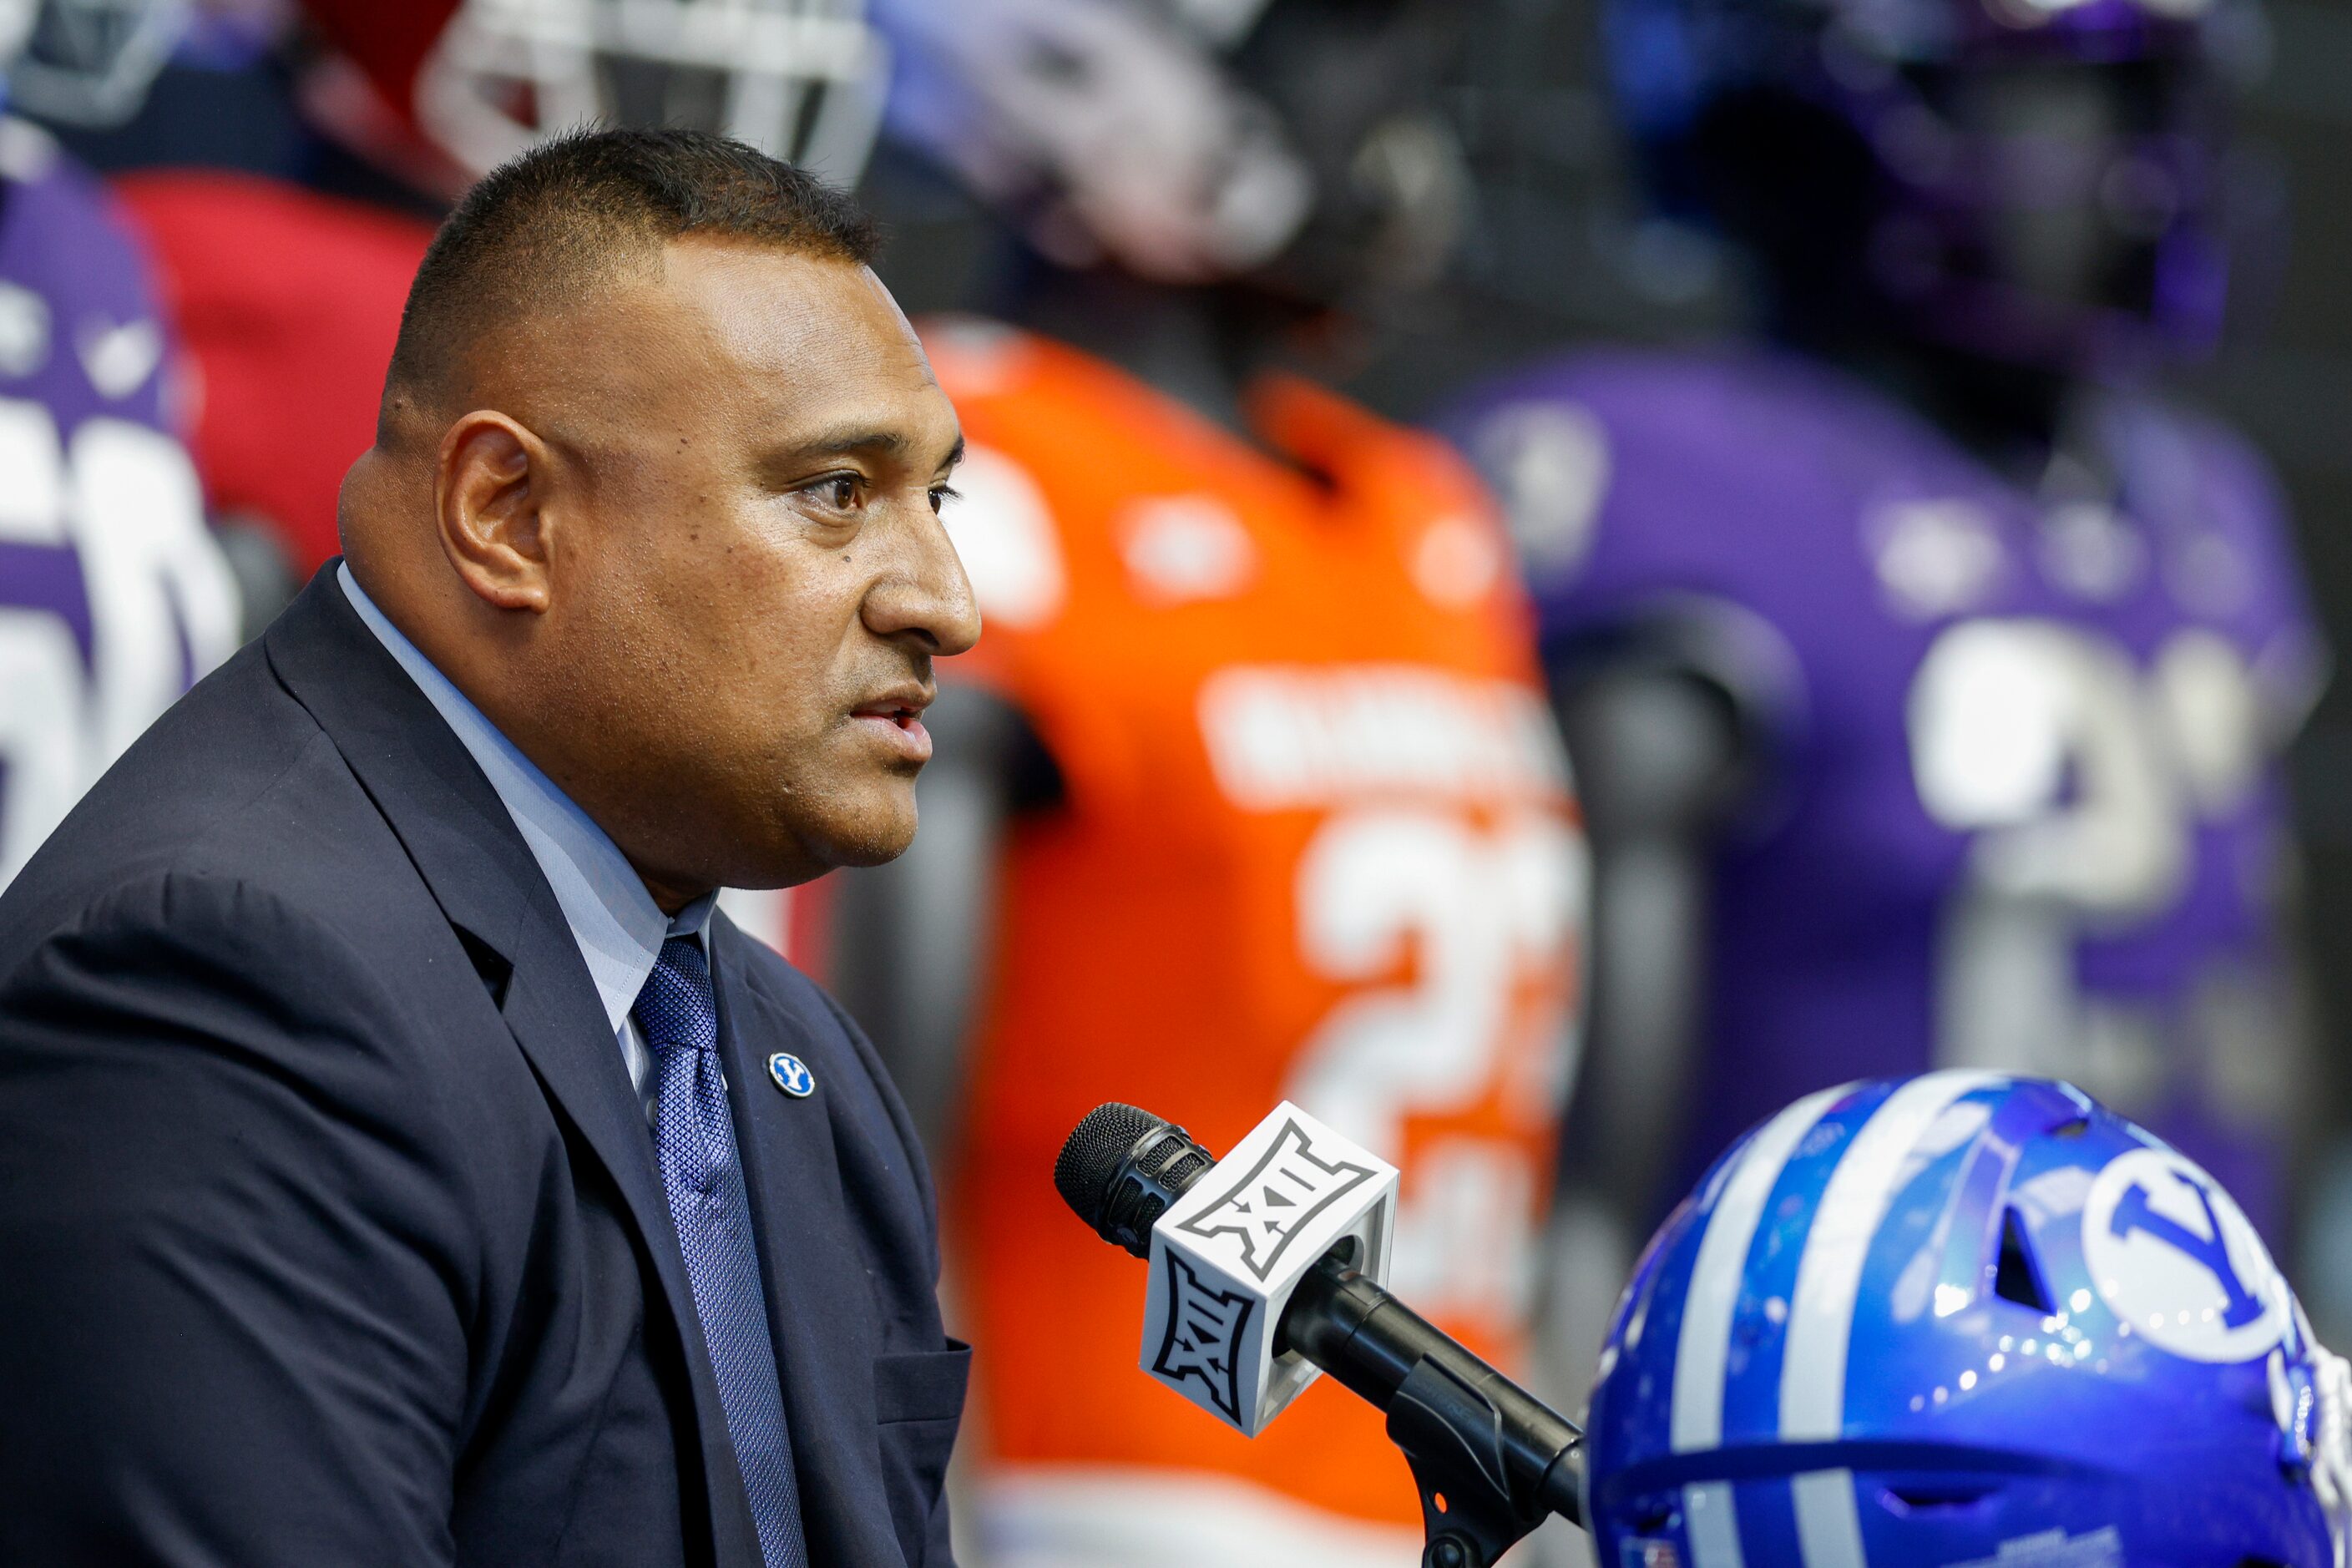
<point>1274,1201</point>
<point>2173,1256</point>
<point>1204,1337</point>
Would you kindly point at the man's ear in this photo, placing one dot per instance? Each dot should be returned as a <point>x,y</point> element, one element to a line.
<point>490,498</point>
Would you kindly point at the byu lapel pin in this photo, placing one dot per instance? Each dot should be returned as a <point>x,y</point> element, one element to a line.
<point>791,1075</point>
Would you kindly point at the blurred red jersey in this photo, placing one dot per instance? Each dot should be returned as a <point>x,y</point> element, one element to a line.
<point>1316,842</point>
<point>289,303</point>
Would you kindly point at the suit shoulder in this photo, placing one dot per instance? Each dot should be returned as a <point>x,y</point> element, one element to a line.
<point>219,1028</point>
<point>224,969</point>
<point>236,784</point>
<point>239,986</point>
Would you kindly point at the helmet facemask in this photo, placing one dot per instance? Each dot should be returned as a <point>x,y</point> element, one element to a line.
<point>86,62</point>
<point>802,80</point>
<point>1290,148</point>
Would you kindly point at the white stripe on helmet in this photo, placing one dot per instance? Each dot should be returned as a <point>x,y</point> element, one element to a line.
<point>1713,1525</point>
<point>1712,1297</point>
<point>1704,1348</point>
<point>1829,1276</point>
<point>1821,1317</point>
<point>1829,1530</point>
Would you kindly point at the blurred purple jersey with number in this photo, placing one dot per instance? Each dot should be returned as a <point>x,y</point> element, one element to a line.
<point>113,597</point>
<point>2019,805</point>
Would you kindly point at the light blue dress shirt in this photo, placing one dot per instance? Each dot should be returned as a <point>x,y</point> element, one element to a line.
<point>619,926</point>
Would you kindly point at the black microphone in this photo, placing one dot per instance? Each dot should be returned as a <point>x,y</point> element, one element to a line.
<point>1491,1458</point>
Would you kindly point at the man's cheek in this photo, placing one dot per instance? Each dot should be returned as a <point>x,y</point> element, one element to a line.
<point>800,646</point>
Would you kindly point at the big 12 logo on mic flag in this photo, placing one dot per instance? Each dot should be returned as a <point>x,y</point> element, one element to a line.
<point>1227,1255</point>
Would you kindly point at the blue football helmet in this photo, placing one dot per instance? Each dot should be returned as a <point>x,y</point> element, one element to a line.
<point>2040,180</point>
<point>1964,1319</point>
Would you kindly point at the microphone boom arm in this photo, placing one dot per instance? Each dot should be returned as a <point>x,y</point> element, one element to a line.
<point>1489,1459</point>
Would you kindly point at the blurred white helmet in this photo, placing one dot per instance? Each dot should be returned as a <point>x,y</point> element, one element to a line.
<point>16,26</point>
<point>1108,127</point>
<point>86,62</point>
<point>802,81</point>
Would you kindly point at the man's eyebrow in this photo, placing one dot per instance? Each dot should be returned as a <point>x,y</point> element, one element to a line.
<point>863,441</point>
<point>851,441</point>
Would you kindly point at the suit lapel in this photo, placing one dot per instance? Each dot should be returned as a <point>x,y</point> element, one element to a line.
<point>809,1260</point>
<point>465,845</point>
<point>553,1012</point>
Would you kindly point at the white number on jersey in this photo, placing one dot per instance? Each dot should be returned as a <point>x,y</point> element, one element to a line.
<point>125,498</point>
<point>2082,778</point>
<point>1472,913</point>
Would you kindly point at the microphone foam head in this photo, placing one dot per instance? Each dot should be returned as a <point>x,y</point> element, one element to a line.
<point>1092,1155</point>
<point>1121,1168</point>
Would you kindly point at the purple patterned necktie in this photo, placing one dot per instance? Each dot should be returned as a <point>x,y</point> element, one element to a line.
<point>704,1180</point>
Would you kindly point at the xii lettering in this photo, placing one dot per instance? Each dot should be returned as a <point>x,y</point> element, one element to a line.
<point>1204,1337</point>
<point>1278,1198</point>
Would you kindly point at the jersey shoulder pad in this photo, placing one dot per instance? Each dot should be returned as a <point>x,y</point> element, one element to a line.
<point>1624,474</point>
<point>1023,390</point>
<point>1010,388</point>
<point>982,361</point>
<point>1061,445</point>
<point>80,291</point>
<point>2220,515</point>
<point>2175,449</point>
<point>84,246</point>
<point>290,303</point>
<point>1403,469</point>
<point>223,238</point>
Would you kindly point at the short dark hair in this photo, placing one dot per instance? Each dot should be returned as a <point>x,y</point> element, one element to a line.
<point>572,212</point>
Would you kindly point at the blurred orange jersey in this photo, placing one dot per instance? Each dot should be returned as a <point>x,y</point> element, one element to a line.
<point>1316,842</point>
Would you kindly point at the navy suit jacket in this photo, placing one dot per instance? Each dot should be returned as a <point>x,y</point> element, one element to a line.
<point>330,1229</point>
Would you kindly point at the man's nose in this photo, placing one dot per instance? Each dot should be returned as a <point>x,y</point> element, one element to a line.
<point>930,596</point>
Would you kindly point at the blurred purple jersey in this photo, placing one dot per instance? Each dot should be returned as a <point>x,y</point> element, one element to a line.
<point>2021,807</point>
<point>112,596</point>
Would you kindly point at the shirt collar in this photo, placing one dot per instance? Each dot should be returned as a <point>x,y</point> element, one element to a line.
<point>618,927</point>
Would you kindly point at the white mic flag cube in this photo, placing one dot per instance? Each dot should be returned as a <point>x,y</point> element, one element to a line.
<point>1227,1255</point>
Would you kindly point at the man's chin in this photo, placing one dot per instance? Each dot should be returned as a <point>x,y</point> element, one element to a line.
<point>797,836</point>
<point>867,837</point>
<point>853,854</point>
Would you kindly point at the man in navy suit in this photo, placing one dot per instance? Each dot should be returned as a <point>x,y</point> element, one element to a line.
<point>400,1161</point>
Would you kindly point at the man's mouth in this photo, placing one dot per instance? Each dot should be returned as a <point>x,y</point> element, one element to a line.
<point>903,706</point>
<point>897,720</point>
